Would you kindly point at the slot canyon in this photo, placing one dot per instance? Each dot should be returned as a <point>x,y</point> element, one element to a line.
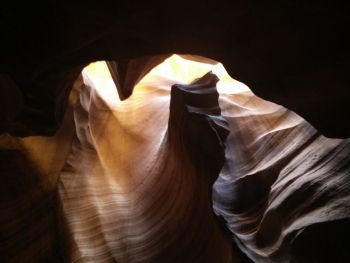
<point>184,131</point>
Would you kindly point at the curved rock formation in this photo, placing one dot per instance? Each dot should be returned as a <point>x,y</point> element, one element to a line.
<point>192,167</point>
<point>142,193</point>
<point>278,181</point>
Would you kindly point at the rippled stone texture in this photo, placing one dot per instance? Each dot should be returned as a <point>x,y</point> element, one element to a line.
<point>137,186</point>
<point>140,180</point>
